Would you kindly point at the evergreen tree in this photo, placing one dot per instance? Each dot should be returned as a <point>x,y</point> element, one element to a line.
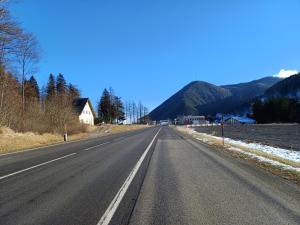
<point>50,88</point>
<point>73,91</point>
<point>104,107</point>
<point>118,109</point>
<point>32,91</point>
<point>276,110</point>
<point>61,85</point>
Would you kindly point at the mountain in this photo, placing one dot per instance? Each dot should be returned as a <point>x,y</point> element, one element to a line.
<point>289,87</point>
<point>255,87</point>
<point>185,101</point>
<point>202,98</point>
<point>242,96</point>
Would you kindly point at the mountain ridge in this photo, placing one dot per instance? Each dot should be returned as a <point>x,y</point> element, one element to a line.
<point>203,98</point>
<point>289,87</point>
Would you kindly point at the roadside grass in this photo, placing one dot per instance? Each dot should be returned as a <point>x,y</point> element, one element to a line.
<point>281,171</point>
<point>11,141</point>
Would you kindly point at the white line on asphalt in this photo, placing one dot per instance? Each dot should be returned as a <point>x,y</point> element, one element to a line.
<point>90,148</point>
<point>33,167</point>
<point>112,208</point>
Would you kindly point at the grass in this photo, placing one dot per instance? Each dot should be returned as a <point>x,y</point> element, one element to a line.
<point>11,141</point>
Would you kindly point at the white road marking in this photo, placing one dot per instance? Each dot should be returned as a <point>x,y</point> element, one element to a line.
<point>90,148</point>
<point>39,165</point>
<point>112,208</point>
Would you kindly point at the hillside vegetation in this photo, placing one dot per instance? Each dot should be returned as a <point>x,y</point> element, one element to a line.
<point>201,98</point>
<point>289,87</point>
<point>186,101</point>
<point>280,103</point>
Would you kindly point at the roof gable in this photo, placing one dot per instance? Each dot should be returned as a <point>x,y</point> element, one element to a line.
<point>80,103</point>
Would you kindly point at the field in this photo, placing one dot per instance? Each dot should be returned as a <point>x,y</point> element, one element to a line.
<point>286,136</point>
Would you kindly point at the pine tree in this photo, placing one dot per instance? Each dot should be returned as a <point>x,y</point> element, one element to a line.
<point>61,85</point>
<point>104,107</point>
<point>35,87</point>
<point>32,92</point>
<point>118,109</point>
<point>73,91</point>
<point>50,89</point>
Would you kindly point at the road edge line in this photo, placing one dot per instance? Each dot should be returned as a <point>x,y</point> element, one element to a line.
<point>113,206</point>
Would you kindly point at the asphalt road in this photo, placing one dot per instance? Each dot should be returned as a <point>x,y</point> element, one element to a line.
<point>151,176</point>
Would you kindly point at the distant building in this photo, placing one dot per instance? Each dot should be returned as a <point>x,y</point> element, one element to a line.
<point>84,109</point>
<point>239,120</point>
<point>194,120</point>
<point>164,122</point>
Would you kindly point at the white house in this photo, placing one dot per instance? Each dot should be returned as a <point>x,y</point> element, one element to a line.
<point>85,111</point>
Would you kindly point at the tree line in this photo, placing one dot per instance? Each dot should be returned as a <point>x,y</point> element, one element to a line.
<point>111,109</point>
<point>47,109</point>
<point>24,106</point>
<point>276,110</point>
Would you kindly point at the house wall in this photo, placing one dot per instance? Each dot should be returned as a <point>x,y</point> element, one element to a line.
<point>87,116</point>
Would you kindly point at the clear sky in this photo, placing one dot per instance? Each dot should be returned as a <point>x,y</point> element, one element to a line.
<point>148,49</point>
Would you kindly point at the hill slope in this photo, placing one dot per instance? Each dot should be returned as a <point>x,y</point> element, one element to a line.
<point>242,96</point>
<point>201,98</point>
<point>289,87</point>
<point>185,101</point>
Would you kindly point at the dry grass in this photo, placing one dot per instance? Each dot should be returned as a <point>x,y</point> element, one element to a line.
<point>107,129</point>
<point>11,141</point>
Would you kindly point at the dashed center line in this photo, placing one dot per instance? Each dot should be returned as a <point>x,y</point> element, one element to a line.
<point>51,161</point>
<point>36,166</point>
<point>90,148</point>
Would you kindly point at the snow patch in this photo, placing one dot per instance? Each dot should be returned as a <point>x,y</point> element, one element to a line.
<point>238,146</point>
<point>264,159</point>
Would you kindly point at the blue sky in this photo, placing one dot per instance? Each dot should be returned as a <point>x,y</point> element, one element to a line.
<point>147,50</point>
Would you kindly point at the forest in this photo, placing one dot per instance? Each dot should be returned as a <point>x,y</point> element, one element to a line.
<point>276,110</point>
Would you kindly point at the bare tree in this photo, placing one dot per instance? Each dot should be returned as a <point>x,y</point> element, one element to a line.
<point>9,36</point>
<point>27,54</point>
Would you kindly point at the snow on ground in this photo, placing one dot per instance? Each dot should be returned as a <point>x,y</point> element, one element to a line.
<point>250,149</point>
<point>264,159</point>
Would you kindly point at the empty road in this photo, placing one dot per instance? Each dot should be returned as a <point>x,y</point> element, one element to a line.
<point>151,176</point>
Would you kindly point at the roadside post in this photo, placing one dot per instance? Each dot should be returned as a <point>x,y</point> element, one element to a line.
<point>66,134</point>
<point>222,126</point>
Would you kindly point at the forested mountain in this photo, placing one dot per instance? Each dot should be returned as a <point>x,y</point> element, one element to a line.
<point>242,96</point>
<point>280,103</point>
<point>201,98</point>
<point>186,101</point>
<point>289,87</point>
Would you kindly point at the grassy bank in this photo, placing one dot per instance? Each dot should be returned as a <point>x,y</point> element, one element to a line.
<point>11,141</point>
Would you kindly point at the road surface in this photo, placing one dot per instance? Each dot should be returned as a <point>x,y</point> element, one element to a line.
<point>152,176</point>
